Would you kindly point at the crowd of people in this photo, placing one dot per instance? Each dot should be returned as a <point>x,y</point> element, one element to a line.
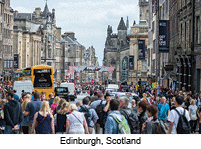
<point>159,111</point>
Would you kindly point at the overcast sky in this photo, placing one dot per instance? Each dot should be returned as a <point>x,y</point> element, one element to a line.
<point>87,18</point>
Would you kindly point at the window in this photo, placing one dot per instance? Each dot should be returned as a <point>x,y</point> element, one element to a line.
<point>49,38</point>
<point>198,29</point>
<point>50,27</point>
<point>42,53</point>
<point>42,78</point>
<point>49,53</point>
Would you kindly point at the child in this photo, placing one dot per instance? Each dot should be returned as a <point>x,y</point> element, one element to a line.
<point>55,104</point>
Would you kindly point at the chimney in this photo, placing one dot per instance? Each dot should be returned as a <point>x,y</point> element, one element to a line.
<point>71,35</point>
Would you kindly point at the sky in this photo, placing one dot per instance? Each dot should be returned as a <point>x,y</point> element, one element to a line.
<point>88,19</point>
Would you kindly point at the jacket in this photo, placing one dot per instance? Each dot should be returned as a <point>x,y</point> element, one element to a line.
<point>151,127</point>
<point>13,113</point>
<point>142,118</point>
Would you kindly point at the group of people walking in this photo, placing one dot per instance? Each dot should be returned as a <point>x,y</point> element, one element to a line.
<point>99,114</point>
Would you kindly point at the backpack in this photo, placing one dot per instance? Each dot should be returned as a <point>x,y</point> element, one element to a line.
<point>122,125</point>
<point>183,126</point>
<point>132,119</point>
<point>87,114</point>
<point>100,113</point>
<point>162,128</point>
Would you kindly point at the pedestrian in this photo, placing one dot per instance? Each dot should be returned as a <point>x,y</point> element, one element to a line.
<point>198,101</point>
<point>113,119</point>
<point>134,106</point>
<point>145,97</point>
<point>193,115</point>
<point>59,106</point>
<point>141,112</point>
<point>106,110</point>
<point>78,104</point>
<point>43,96</point>
<point>33,107</point>
<point>55,103</point>
<point>150,126</point>
<point>100,99</point>
<point>60,118</point>
<point>76,122</point>
<point>2,119</point>
<point>164,109</point>
<point>130,115</point>
<point>99,105</point>
<point>16,97</point>
<point>93,98</point>
<point>199,119</point>
<point>25,122</point>
<point>51,99</point>
<point>174,116</point>
<point>90,115</point>
<point>43,122</point>
<point>12,114</point>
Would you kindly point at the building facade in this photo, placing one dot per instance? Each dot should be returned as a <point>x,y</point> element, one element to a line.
<point>185,26</point>
<point>27,43</point>
<point>47,22</point>
<point>116,53</point>
<point>139,32</point>
<point>6,37</point>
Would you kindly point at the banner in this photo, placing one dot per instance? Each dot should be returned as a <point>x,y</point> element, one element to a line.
<point>131,62</point>
<point>72,71</point>
<point>141,46</point>
<point>110,70</point>
<point>15,63</point>
<point>163,36</point>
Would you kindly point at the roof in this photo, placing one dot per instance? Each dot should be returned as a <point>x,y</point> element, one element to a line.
<point>27,16</point>
<point>122,25</point>
<point>34,28</point>
<point>46,11</point>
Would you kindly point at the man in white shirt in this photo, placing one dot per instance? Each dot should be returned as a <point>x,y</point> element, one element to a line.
<point>174,116</point>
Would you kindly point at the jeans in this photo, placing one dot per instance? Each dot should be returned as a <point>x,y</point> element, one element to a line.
<point>193,124</point>
<point>8,130</point>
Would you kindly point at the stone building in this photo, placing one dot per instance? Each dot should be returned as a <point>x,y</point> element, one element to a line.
<point>157,61</point>
<point>144,10</point>
<point>75,51</point>
<point>77,55</point>
<point>27,42</point>
<point>185,43</point>
<point>138,32</point>
<point>116,53</point>
<point>6,37</point>
<point>47,21</point>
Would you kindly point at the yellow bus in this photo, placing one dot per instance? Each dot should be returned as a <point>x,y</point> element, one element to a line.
<point>41,77</point>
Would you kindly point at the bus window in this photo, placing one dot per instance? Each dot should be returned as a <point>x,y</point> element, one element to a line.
<point>42,78</point>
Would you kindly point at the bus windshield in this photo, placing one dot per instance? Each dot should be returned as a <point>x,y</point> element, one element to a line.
<point>42,78</point>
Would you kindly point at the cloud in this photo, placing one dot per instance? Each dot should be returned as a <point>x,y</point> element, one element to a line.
<point>23,10</point>
<point>87,18</point>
